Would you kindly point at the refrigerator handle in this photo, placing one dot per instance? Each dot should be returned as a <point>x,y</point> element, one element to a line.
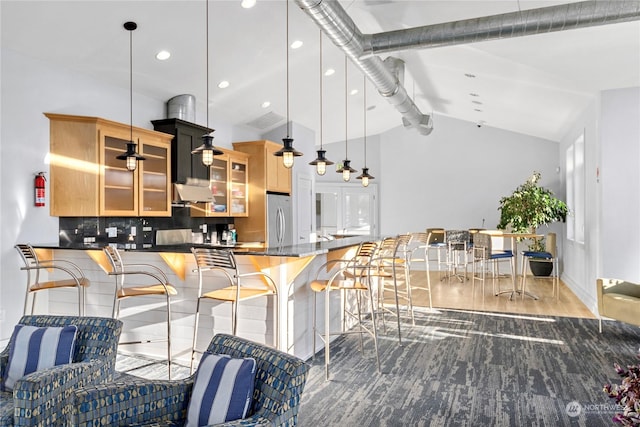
<point>282,226</point>
<point>279,226</point>
<point>283,230</point>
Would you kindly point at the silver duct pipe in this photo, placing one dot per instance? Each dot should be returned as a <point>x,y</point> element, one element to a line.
<point>507,25</point>
<point>340,28</point>
<point>342,31</point>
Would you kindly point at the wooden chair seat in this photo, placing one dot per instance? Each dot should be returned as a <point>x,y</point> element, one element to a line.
<point>65,283</point>
<point>230,293</point>
<point>137,291</point>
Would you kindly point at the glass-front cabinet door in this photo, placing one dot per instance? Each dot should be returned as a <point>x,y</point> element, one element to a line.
<point>120,186</point>
<point>155,182</point>
<point>239,186</point>
<point>219,187</point>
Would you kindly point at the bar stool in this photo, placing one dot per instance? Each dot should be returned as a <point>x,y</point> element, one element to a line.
<point>549,255</point>
<point>160,287</point>
<point>484,253</point>
<point>346,275</point>
<point>31,262</point>
<point>419,252</point>
<point>224,262</point>
<point>457,249</point>
<point>391,263</point>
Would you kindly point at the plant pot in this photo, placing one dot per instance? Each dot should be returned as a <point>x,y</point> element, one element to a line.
<point>540,268</point>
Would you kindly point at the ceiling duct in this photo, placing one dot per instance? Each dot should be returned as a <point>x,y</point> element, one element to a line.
<point>340,28</point>
<point>515,24</point>
<point>342,31</point>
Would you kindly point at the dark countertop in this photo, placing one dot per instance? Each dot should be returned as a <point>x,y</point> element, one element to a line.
<point>300,250</point>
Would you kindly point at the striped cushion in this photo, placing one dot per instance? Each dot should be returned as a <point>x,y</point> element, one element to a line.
<point>32,349</point>
<point>222,390</point>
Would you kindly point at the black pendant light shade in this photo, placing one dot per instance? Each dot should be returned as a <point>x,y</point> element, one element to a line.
<point>321,162</point>
<point>365,177</point>
<point>287,152</point>
<point>346,170</point>
<point>131,156</point>
<point>207,150</point>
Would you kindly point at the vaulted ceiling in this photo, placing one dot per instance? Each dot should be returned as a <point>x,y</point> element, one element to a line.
<point>535,85</point>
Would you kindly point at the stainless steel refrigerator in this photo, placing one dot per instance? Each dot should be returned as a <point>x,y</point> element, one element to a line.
<point>279,220</point>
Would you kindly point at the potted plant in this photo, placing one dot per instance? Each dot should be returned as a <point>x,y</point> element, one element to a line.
<point>529,207</point>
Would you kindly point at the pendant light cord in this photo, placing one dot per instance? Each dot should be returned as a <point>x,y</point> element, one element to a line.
<point>288,123</point>
<point>346,114</point>
<point>131,85</point>
<point>207,56</point>
<point>321,79</point>
<point>364,94</point>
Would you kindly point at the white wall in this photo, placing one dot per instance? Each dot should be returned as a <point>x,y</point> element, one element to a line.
<point>612,194</point>
<point>620,183</point>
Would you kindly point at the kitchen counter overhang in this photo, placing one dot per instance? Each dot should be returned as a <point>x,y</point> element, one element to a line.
<point>299,250</point>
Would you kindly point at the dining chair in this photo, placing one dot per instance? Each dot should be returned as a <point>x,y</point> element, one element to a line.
<point>159,286</point>
<point>37,281</point>
<point>549,255</point>
<point>224,268</point>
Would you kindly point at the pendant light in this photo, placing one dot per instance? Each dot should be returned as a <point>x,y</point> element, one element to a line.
<point>207,149</point>
<point>131,156</point>
<point>364,176</point>
<point>346,170</point>
<point>287,152</point>
<point>321,161</point>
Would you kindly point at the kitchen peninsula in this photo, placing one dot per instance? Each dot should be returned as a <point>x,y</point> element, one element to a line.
<point>290,266</point>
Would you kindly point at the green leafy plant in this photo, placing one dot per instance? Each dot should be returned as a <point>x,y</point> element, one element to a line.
<point>529,207</point>
<point>626,394</point>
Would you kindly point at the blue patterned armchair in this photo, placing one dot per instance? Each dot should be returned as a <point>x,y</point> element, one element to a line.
<point>43,397</point>
<point>279,382</point>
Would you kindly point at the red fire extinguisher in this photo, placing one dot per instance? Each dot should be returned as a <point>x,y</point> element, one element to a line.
<point>40,189</point>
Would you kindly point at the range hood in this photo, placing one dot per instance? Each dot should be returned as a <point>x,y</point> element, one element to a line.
<point>194,190</point>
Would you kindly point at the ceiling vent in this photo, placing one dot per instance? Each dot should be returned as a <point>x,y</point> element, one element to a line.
<point>266,121</point>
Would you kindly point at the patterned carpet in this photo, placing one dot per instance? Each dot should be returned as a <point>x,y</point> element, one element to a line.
<point>463,368</point>
<point>459,368</point>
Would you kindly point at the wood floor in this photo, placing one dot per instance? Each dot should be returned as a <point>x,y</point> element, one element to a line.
<point>458,295</point>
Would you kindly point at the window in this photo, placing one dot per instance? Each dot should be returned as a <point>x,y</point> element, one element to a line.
<point>575,190</point>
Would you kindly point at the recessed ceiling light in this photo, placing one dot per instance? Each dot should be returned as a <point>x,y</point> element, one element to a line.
<point>471,76</point>
<point>223,84</point>
<point>477,102</point>
<point>266,104</point>
<point>478,110</point>
<point>371,107</point>
<point>329,72</point>
<point>162,55</point>
<point>248,4</point>
<point>296,44</point>
<point>353,91</point>
<point>474,94</point>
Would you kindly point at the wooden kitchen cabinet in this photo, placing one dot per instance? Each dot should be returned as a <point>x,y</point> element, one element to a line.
<point>229,182</point>
<point>268,172</point>
<point>88,180</point>
<point>267,175</point>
